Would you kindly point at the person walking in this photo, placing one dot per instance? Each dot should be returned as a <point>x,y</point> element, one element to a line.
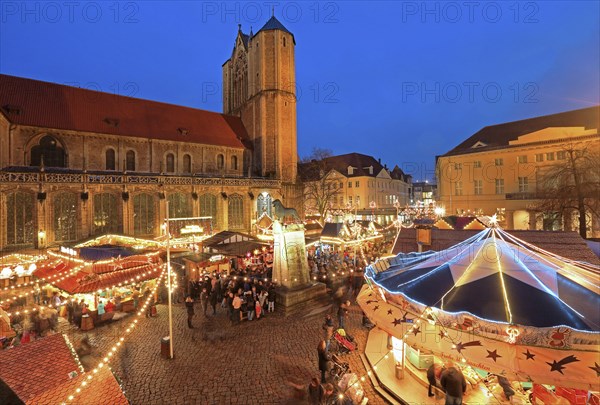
<point>204,300</point>
<point>454,384</point>
<point>433,375</point>
<point>342,312</point>
<point>324,360</point>
<point>189,304</point>
<point>213,299</point>
<point>237,305</point>
<point>271,299</point>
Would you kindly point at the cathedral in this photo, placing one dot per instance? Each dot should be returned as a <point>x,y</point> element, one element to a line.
<point>76,163</point>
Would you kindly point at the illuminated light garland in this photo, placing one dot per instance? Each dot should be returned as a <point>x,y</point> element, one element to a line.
<point>121,284</point>
<point>32,282</point>
<point>109,356</point>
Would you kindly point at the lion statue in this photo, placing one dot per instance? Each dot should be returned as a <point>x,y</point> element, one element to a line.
<point>283,213</point>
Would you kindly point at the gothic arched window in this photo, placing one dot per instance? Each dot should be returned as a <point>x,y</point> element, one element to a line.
<point>187,163</point>
<point>130,161</point>
<point>208,206</point>
<point>106,214</point>
<point>143,214</point>
<point>220,161</point>
<point>170,163</point>
<point>110,159</point>
<point>234,163</point>
<point>20,219</point>
<point>65,217</point>
<point>180,205</point>
<point>236,211</point>
<point>50,152</point>
<point>263,204</point>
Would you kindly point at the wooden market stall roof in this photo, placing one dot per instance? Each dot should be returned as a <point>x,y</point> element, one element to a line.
<point>41,372</point>
<point>225,237</point>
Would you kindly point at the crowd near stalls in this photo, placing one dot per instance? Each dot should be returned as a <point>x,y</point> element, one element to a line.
<point>87,285</point>
<point>493,319</point>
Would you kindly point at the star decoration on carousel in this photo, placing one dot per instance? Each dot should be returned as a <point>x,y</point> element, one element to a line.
<point>442,334</point>
<point>390,312</point>
<point>460,345</point>
<point>376,307</point>
<point>397,321</point>
<point>596,368</point>
<point>416,330</point>
<point>560,365</point>
<point>529,355</point>
<point>492,355</point>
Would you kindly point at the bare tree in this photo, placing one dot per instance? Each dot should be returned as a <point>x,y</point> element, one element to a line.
<point>572,185</point>
<point>321,185</point>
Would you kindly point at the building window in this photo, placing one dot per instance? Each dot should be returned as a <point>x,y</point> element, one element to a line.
<point>234,163</point>
<point>349,184</point>
<point>187,164</point>
<point>522,159</point>
<point>499,162</point>
<point>235,213</point>
<point>65,217</point>
<point>477,164</point>
<point>180,205</point>
<point>170,163</point>
<point>350,200</point>
<point>550,156</point>
<point>283,41</point>
<point>357,184</point>
<point>208,206</point>
<point>341,184</point>
<point>458,190</point>
<point>523,184</point>
<point>341,201</point>
<point>20,219</point>
<point>220,161</point>
<point>457,166</point>
<point>106,214</point>
<point>49,152</point>
<point>130,161</point>
<point>358,201</point>
<point>143,214</point>
<point>110,159</point>
<point>499,186</point>
<point>539,157</point>
<point>561,155</point>
<point>478,186</point>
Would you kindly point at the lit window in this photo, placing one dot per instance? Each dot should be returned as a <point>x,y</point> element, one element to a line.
<point>499,162</point>
<point>499,186</point>
<point>522,159</point>
<point>478,186</point>
<point>523,184</point>
<point>539,157</point>
<point>458,188</point>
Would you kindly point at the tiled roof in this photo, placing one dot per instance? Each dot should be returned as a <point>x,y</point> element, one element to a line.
<point>361,164</point>
<point>500,135</point>
<point>274,24</point>
<point>36,367</point>
<point>566,244</point>
<point>104,389</point>
<point>54,106</point>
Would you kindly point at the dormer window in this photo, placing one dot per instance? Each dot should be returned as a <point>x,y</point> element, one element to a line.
<point>350,170</point>
<point>182,131</point>
<point>113,122</point>
<point>479,144</point>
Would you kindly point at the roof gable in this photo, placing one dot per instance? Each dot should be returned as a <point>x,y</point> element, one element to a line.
<point>494,136</point>
<point>55,106</point>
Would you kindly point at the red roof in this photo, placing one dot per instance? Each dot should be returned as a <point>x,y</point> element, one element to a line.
<point>36,367</point>
<point>49,105</point>
<point>103,389</point>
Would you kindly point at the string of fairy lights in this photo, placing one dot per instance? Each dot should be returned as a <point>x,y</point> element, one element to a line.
<point>109,356</point>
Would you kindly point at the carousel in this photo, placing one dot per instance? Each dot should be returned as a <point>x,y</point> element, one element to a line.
<point>522,323</point>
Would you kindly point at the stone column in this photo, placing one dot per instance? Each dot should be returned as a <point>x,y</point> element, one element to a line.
<point>290,266</point>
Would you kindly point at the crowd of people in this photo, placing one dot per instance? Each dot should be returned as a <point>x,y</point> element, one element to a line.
<point>246,294</point>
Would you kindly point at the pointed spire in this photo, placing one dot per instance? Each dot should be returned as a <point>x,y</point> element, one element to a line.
<point>251,33</point>
<point>239,27</point>
<point>273,11</point>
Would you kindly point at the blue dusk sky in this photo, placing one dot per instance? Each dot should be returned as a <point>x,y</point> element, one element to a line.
<point>401,81</point>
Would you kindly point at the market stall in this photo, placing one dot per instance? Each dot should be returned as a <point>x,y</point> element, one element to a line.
<point>498,308</point>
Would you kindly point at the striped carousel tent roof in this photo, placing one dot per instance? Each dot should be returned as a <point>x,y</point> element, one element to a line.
<point>495,276</point>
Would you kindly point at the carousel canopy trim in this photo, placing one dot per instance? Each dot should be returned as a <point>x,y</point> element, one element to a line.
<point>500,278</point>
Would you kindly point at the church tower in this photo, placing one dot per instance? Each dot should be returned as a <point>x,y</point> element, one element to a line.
<point>259,85</point>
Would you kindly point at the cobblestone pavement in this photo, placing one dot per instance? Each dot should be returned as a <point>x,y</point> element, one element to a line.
<point>216,363</point>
